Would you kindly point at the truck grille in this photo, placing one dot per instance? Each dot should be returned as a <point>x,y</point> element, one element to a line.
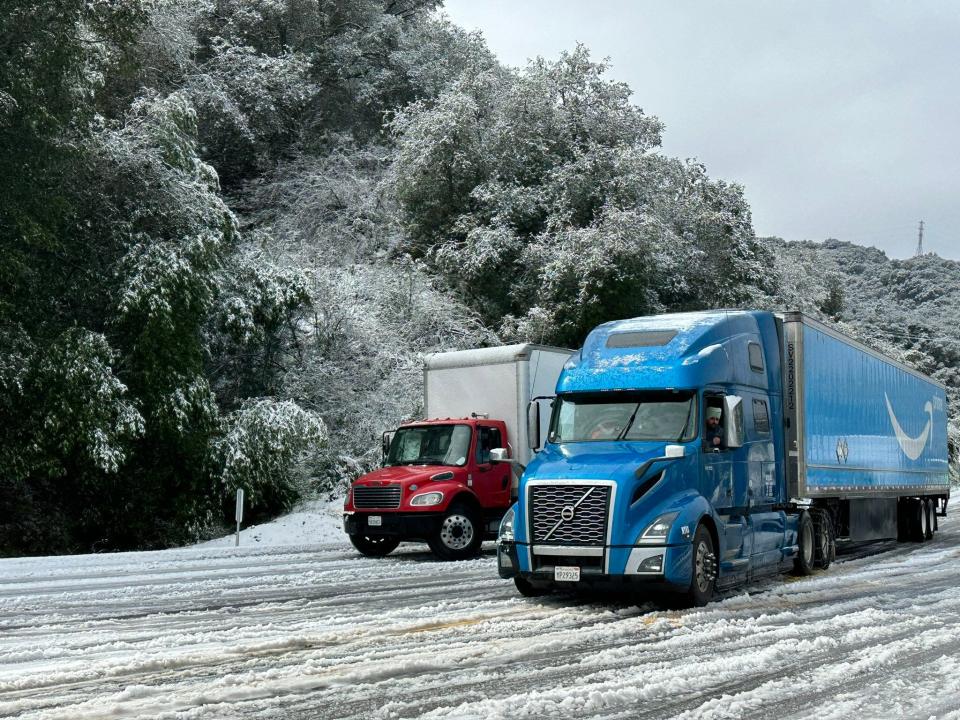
<point>381,496</point>
<point>551,507</point>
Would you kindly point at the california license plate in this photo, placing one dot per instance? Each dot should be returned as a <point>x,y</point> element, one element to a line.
<point>566,574</point>
<point>374,521</point>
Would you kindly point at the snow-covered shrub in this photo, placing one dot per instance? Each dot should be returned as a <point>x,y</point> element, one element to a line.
<point>66,422</point>
<point>263,451</point>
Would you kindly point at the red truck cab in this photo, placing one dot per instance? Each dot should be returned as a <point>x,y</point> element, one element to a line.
<point>437,485</point>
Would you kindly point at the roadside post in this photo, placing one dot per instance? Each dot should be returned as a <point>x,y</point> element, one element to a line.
<point>239,513</point>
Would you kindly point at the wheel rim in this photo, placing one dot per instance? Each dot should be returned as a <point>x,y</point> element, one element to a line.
<point>456,532</point>
<point>924,519</point>
<point>704,569</point>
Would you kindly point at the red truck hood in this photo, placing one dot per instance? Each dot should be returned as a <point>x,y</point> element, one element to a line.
<point>401,473</point>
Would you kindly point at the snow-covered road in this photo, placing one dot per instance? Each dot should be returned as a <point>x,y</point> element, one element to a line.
<point>318,632</point>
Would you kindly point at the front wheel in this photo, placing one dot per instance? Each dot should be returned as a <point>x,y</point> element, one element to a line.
<point>703,577</point>
<point>374,545</point>
<point>459,535</point>
<point>528,589</point>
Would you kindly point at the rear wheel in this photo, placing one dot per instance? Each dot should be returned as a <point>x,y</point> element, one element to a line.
<point>806,553</point>
<point>459,535</point>
<point>922,520</point>
<point>825,547</point>
<point>929,514</point>
<point>911,520</point>
<point>374,545</point>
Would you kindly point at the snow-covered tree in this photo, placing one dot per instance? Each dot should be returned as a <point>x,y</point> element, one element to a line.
<point>540,194</point>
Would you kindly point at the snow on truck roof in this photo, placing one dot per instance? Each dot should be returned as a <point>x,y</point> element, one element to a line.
<point>677,350</point>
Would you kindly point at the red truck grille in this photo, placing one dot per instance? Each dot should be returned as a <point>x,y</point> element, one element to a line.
<point>569,514</point>
<point>376,497</point>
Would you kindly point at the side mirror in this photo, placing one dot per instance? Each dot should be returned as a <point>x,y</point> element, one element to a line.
<point>733,421</point>
<point>386,439</point>
<point>499,455</point>
<point>533,425</point>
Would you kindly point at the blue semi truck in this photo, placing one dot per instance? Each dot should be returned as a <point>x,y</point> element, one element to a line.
<point>696,451</point>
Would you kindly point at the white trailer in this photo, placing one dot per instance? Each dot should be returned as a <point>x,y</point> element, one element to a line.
<point>498,382</point>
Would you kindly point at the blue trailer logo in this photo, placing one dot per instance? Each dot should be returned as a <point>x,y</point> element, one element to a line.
<point>912,446</point>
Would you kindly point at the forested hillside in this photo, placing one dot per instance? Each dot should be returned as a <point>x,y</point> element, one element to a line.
<point>231,228</point>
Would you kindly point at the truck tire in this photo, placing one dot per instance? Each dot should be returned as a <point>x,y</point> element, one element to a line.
<point>910,520</point>
<point>528,589</point>
<point>806,544</point>
<point>703,576</point>
<point>921,520</point>
<point>929,515</point>
<point>374,545</point>
<point>825,545</point>
<point>459,535</point>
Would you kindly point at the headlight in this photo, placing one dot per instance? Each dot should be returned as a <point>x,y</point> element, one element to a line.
<point>506,527</point>
<point>658,530</point>
<point>429,498</point>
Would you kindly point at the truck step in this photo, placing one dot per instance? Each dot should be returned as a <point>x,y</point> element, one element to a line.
<point>734,566</point>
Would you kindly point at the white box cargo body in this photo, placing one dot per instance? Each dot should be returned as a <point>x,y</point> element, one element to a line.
<point>498,382</point>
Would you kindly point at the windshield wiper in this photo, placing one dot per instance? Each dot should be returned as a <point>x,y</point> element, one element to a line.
<point>626,428</point>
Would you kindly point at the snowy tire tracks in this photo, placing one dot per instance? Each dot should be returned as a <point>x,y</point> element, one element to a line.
<point>320,632</point>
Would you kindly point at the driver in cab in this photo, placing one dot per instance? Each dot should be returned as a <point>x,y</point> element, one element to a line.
<point>714,435</point>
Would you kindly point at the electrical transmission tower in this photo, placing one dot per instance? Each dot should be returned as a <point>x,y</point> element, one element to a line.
<point>920,241</point>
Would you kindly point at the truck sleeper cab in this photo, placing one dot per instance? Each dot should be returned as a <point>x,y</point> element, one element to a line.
<point>676,463</point>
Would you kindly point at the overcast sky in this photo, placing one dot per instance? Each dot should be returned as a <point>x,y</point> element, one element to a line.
<point>841,119</point>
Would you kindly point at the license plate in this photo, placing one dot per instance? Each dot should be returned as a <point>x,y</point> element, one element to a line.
<point>566,574</point>
<point>374,521</point>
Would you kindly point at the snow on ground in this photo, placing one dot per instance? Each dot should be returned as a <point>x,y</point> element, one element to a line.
<point>315,631</point>
<point>316,521</point>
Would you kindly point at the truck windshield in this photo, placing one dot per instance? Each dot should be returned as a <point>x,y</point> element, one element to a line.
<point>668,416</point>
<point>430,445</point>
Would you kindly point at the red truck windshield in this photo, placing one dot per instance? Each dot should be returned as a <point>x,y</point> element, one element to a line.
<point>668,416</point>
<point>430,445</point>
